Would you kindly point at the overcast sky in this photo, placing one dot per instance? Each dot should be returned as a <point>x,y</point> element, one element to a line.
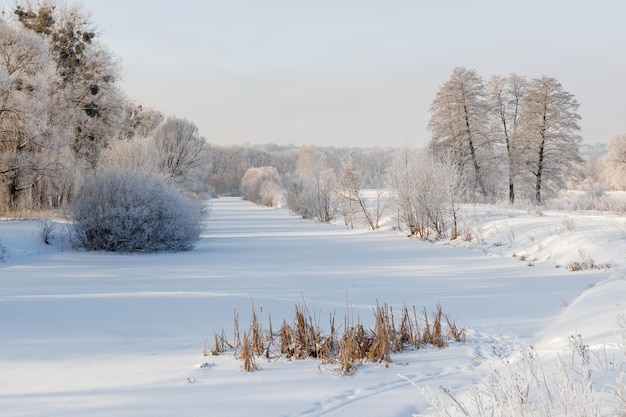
<point>355,72</point>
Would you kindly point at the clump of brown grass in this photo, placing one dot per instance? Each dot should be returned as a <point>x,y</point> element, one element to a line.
<point>247,353</point>
<point>587,264</point>
<point>304,338</point>
<point>220,345</point>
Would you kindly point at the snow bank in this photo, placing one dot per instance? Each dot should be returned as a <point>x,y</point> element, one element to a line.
<point>91,334</point>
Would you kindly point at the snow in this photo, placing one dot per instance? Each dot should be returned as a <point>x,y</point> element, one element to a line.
<point>98,334</point>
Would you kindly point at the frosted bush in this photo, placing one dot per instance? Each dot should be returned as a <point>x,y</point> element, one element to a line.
<point>125,211</point>
<point>262,185</point>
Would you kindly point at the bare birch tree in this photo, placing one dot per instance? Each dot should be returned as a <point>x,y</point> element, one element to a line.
<point>506,95</point>
<point>458,124</point>
<point>550,142</point>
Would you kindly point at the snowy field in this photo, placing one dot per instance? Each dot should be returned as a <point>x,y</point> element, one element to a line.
<point>95,334</point>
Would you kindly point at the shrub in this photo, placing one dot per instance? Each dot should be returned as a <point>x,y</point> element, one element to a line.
<point>125,211</point>
<point>47,231</point>
<point>262,185</point>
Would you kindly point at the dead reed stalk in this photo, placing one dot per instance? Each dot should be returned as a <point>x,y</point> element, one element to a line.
<point>247,354</point>
<point>456,333</point>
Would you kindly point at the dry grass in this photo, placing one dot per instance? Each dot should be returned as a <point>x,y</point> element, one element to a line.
<point>587,264</point>
<point>304,338</point>
<point>247,354</point>
<point>220,345</point>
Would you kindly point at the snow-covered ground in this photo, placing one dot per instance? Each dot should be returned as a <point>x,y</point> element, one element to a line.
<point>96,334</point>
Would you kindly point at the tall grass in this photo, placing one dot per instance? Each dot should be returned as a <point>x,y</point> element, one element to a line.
<point>346,348</point>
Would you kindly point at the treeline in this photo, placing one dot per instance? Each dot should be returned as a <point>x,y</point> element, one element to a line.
<point>316,183</point>
<point>421,188</point>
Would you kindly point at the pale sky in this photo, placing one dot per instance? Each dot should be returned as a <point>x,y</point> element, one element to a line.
<point>355,72</point>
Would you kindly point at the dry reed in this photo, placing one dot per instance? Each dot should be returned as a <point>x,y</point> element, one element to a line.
<point>304,338</point>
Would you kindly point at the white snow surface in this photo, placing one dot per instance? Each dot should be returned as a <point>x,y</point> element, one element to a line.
<point>100,334</point>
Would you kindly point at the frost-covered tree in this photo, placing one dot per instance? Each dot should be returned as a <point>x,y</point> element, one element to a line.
<point>137,154</point>
<point>371,168</point>
<point>505,95</point>
<point>100,103</point>
<point>459,124</point>
<point>548,135</point>
<point>310,191</point>
<point>613,171</point>
<point>31,153</point>
<point>125,211</point>
<point>353,201</point>
<point>184,153</point>
<point>262,185</point>
<point>139,121</point>
<point>68,29</point>
<point>427,189</point>
<point>86,93</point>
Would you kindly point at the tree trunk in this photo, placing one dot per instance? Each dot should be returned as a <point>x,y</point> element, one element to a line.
<point>508,150</point>
<point>479,180</point>
<point>540,171</point>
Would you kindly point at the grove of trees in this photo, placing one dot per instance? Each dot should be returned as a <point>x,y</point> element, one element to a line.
<point>512,134</point>
<point>65,125</point>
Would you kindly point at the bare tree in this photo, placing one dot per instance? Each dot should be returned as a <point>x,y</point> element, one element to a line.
<point>351,195</point>
<point>310,191</point>
<point>403,178</point>
<point>550,142</point>
<point>458,124</point>
<point>427,189</point>
<point>138,154</point>
<point>505,98</point>
<point>29,152</point>
<point>375,163</point>
<point>184,153</point>
<point>614,163</point>
<point>449,184</point>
